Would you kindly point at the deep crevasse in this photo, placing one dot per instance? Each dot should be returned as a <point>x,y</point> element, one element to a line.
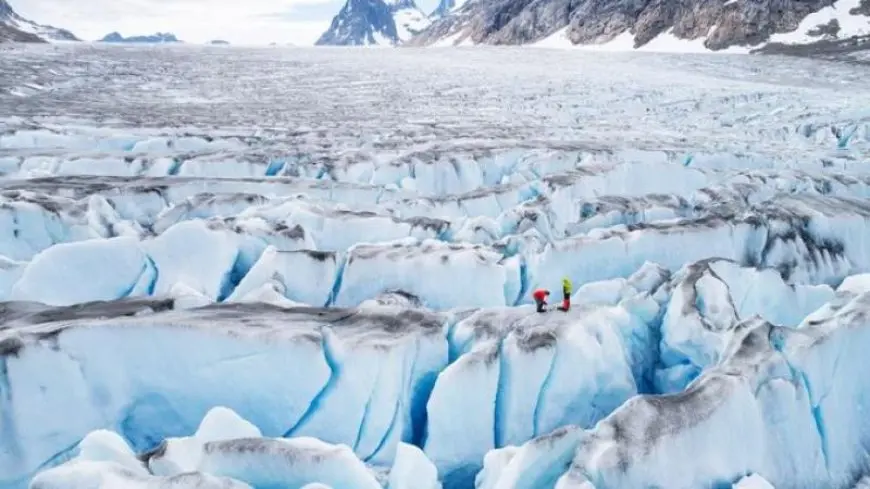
<point>514,374</point>
<point>777,405</point>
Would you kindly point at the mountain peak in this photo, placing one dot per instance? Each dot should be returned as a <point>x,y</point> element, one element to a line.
<point>374,22</point>
<point>14,28</point>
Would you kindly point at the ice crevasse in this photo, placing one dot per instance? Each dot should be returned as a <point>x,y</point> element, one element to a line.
<point>779,409</point>
<point>807,239</point>
<point>527,394</point>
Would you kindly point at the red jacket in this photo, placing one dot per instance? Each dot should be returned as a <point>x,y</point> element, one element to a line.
<point>541,294</point>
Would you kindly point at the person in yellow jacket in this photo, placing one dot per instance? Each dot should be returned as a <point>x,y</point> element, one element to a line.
<point>566,294</point>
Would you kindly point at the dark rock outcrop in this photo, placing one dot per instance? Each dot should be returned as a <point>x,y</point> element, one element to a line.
<point>862,9</point>
<point>854,49</point>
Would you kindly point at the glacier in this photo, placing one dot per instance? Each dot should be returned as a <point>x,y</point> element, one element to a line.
<point>282,279</point>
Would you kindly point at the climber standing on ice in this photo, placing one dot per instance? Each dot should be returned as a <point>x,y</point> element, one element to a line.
<point>540,296</point>
<point>566,294</point>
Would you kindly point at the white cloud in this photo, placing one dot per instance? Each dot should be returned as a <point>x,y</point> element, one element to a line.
<point>240,22</point>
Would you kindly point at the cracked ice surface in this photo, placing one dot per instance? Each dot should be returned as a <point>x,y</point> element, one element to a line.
<point>312,268</point>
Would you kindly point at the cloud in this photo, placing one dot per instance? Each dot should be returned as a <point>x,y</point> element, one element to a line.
<point>240,22</point>
<point>305,12</point>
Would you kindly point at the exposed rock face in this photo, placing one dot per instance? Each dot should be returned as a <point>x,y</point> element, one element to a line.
<point>854,49</point>
<point>14,28</point>
<point>11,34</point>
<point>374,22</point>
<point>862,9</point>
<point>826,31</point>
<point>720,23</point>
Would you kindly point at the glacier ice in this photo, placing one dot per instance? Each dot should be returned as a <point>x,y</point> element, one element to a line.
<point>229,452</point>
<point>105,461</point>
<point>184,455</point>
<point>412,470</point>
<point>753,481</point>
<point>799,418</point>
<point>282,278</point>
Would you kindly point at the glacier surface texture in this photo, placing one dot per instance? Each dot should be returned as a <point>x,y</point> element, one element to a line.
<point>301,268</point>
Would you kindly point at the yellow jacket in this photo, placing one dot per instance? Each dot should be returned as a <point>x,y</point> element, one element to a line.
<point>566,286</point>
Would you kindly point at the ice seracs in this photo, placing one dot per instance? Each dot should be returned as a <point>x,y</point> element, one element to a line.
<point>774,382</point>
<point>227,452</point>
<point>352,276</point>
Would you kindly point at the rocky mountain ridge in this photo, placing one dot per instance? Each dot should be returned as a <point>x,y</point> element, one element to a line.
<point>717,24</point>
<point>14,28</point>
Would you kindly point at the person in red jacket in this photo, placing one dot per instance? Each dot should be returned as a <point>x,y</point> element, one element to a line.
<point>540,296</point>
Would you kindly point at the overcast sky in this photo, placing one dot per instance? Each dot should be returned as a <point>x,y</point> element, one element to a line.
<point>238,21</point>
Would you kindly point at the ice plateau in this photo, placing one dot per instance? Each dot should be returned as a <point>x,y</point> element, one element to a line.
<point>268,268</point>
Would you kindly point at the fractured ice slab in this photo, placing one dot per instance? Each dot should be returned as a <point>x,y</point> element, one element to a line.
<point>798,412</point>
<point>116,268</point>
<point>532,373</point>
<point>106,475</point>
<point>229,452</point>
<point>708,301</point>
<point>753,481</point>
<point>424,268</point>
<point>122,366</point>
<point>105,461</point>
<point>807,239</point>
<point>182,455</point>
<point>412,470</point>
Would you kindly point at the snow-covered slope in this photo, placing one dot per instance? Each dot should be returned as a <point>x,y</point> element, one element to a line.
<point>313,268</point>
<point>693,26</point>
<point>374,22</point>
<point>15,28</point>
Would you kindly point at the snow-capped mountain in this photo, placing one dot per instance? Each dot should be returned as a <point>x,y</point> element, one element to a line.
<point>14,28</point>
<point>656,25</point>
<point>158,38</point>
<point>374,22</point>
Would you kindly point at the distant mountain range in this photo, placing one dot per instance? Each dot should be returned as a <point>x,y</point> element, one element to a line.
<point>833,29</point>
<point>14,28</point>
<point>158,38</point>
<point>767,26</point>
